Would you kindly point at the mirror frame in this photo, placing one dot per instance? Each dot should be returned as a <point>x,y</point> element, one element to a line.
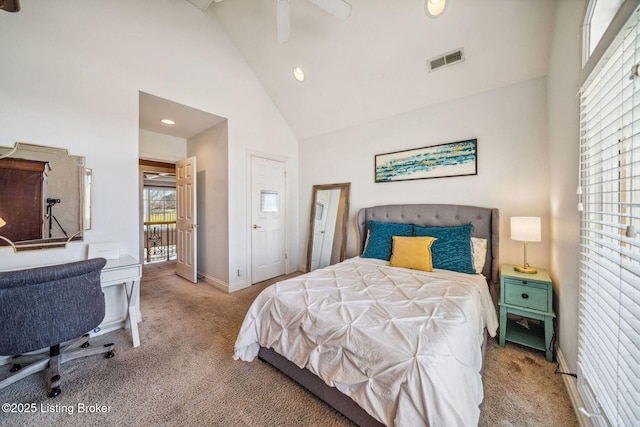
<point>50,243</point>
<point>346,187</point>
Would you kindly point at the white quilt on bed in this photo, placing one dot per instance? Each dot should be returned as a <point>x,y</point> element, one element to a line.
<point>403,344</point>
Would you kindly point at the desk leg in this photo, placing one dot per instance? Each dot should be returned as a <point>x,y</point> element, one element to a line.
<point>132,299</point>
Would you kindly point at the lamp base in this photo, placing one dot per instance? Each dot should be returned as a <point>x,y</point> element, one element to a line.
<point>525,269</point>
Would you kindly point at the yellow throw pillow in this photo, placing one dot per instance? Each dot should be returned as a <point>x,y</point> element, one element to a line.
<point>412,252</point>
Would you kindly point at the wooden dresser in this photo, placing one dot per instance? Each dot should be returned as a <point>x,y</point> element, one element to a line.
<point>23,211</point>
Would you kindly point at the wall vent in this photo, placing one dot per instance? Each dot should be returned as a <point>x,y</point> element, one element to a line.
<point>446,59</point>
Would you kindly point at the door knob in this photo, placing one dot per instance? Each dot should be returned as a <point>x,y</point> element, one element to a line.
<point>322,232</point>
<point>256,226</point>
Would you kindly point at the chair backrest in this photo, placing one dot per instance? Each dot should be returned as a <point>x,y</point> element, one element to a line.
<point>45,306</point>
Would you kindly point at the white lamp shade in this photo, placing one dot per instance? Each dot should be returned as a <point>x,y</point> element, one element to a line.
<point>525,229</point>
<point>2,222</point>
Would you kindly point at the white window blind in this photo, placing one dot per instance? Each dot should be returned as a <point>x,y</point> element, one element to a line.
<point>609,301</point>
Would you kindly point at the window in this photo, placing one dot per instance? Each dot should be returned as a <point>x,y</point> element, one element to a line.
<point>600,13</point>
<point>609,300</point>
<point>268,201</point>
<point>159,204</point>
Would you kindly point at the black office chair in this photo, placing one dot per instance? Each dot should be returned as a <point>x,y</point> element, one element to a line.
<point>50,307</point>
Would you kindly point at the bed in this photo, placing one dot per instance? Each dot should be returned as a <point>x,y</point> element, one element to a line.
<point>328,329</point>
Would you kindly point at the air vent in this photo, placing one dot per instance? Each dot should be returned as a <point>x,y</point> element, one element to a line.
<point>446,59</point>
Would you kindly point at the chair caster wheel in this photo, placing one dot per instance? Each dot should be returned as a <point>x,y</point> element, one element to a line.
<point>55,391</point>
<point>16,367</point>
<point>85,345</point>
<point>109,355</point>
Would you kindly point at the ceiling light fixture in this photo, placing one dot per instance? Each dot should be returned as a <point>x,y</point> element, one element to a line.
<point>433,8</point>
<point>168,122</point>
<point>298,74</point>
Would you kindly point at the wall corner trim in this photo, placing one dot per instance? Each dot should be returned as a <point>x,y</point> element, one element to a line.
<point>238,286</point>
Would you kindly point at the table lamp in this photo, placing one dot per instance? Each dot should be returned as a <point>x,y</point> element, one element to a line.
<point>525,229</point>
<point>2,222</point>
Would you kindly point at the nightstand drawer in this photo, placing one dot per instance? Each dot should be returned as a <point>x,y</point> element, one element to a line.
<point>531,296</point>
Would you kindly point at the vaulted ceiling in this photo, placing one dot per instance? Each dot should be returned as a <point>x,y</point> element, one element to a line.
<point>374,64</point>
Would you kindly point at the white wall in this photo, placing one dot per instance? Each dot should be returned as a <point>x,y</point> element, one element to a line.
<point>211,151</point>
<point>510,124</point>
<point>72,72</point>
<point>564,139</point>
<point>160,147</point>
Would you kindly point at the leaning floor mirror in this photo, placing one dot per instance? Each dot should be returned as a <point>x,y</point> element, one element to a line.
<point>328,225</point>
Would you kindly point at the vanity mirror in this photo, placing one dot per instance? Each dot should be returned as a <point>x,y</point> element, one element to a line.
<point>328,225</point>
<point>44,197</point>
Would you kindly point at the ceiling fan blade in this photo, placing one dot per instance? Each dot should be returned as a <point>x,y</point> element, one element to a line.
<point>10,5</point>
<point>338,8</point>
<point>283,20</point>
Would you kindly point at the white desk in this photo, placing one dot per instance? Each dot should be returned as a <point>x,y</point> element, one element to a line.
<point>120,280</point>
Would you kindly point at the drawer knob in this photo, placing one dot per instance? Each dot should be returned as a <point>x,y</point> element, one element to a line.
<point>525,296</point>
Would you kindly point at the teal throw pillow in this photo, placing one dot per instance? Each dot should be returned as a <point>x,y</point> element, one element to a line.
<point>452,250</point>
<point>379,241</point>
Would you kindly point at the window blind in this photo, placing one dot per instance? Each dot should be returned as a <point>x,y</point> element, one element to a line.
<point>609,275</point>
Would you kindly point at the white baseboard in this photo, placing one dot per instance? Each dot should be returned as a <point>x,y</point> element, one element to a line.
<point>238,286</point>
<point>570,384</point>
<point>218,284</point>
<point>225,287</point>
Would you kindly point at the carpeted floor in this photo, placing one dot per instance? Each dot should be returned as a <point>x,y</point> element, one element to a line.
<point>184,374</point>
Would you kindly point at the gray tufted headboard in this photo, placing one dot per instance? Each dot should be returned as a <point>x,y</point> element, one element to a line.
<point>485,225</point>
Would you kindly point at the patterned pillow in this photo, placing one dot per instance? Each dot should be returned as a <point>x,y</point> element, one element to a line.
<point>479,250</point>
<point>379,239</point>
<point>412,252</point>
<point>452,250</point>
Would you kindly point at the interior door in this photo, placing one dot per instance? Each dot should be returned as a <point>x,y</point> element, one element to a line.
<point>186,236</point>
<point>268,219</point>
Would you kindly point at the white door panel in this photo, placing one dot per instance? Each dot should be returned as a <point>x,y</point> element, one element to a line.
<point>268,219</point>
<point>186,241</point>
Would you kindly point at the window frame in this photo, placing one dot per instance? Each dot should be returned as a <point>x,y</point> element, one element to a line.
<point>609,267</point>
<point>591,60</point>
<point>146,213</point>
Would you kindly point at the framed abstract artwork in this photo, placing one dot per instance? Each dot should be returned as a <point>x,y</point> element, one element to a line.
<point>437,161</point>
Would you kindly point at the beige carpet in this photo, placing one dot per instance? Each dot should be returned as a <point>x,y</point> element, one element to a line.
<point>184,374</point>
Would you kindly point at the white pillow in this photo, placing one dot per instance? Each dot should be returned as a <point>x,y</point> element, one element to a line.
<point>479,252</point>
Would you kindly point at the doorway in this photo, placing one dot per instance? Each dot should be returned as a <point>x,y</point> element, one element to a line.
<point>268,218</point>
<point>167,131</point>
<point>169,214</point>
<point>158,211</point>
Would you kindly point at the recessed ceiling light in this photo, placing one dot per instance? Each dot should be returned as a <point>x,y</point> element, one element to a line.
<point>434,8</point>
<point>298,74</point>
<point>168,122</point>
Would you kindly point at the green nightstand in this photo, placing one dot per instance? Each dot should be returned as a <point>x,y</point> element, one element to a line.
<point>529,296</point>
